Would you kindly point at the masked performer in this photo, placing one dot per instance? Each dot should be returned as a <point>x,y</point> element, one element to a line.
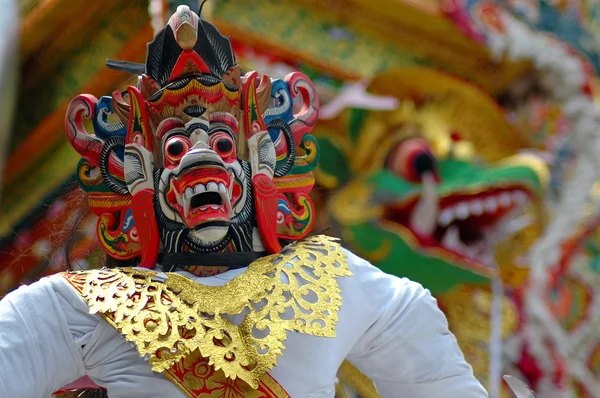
<point>203,184</point>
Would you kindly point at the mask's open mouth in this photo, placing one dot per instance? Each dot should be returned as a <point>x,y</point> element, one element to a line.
<point>461,225</point>
<point>212,196</point>
<point>204,200</point>
<point>202,194</point>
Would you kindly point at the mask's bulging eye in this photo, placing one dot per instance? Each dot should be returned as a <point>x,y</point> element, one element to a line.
<point>411,159</point>
<point>223,145</point>
<point>175,148</point>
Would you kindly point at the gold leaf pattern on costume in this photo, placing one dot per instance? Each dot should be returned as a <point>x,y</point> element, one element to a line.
<point>198,379</point>
<point>240,326</point>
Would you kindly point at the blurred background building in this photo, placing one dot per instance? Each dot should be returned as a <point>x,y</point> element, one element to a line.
<point>502,93</point>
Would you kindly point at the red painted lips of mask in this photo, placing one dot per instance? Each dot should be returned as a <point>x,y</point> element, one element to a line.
<point>204,191</point>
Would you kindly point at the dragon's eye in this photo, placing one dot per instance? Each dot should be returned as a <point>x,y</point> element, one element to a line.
<point>411,159</point>
<point>222,144</point>
<point>175,148</point>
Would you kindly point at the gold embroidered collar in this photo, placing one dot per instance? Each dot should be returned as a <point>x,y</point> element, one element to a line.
<point>169,316</point>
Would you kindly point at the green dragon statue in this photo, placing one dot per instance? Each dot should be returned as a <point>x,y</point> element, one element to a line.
<point>440,190</point>
<point>423,190</point>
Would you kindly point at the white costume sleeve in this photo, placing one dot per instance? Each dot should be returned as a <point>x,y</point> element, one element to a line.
<point>48,339</point>
<point>409,351</point>
<point>38,353</point>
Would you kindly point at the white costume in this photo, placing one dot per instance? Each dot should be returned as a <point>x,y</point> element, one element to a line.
<point>390,328</point>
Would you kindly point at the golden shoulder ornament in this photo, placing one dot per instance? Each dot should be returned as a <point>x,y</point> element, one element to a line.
<point>239,327</point>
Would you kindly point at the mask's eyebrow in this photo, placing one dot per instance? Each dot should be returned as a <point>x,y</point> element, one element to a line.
<point>168,125</point>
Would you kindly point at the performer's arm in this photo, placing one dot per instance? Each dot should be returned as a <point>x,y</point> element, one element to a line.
<point>409,351</point>
<point>38,351</point>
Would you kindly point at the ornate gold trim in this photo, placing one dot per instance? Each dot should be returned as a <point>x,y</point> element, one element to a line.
<point>198,379</point>
<point>169,316</point>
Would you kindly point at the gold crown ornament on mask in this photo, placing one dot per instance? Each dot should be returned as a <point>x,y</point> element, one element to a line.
<point>202,161</point>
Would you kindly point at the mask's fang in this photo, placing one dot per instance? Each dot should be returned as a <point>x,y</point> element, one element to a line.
<point>186,207</point>
<point>231,182</point>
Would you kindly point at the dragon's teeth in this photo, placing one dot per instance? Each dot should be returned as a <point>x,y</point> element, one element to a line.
<point>476,207</point>
<point>504,199</point>
<point>446,217</point>
<point>462,211</point>
<point>490,204</point>
<point>452,238</point>
<point>519,197</point>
